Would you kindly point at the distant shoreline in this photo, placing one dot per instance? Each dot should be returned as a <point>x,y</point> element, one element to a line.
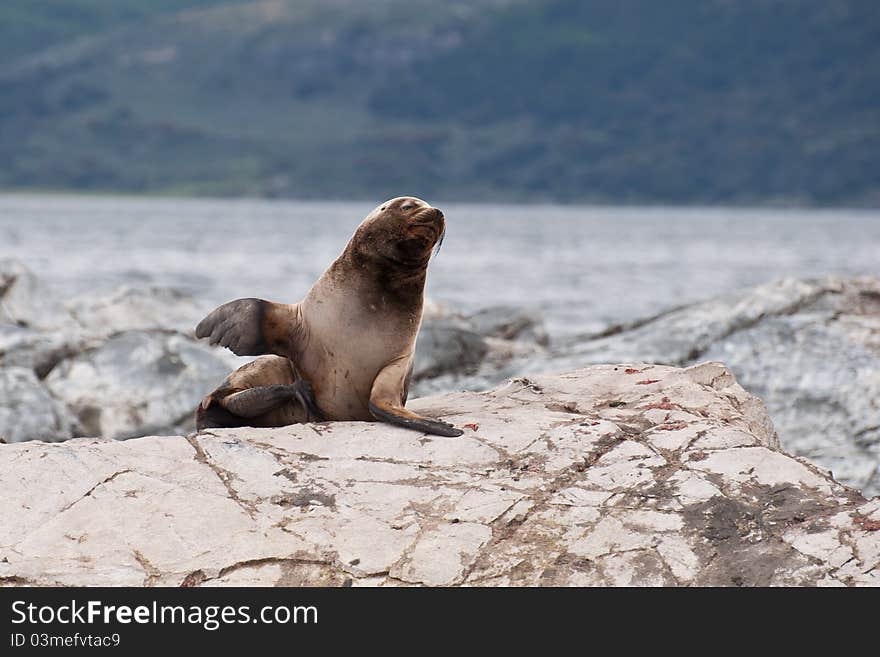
<point>468,200</point>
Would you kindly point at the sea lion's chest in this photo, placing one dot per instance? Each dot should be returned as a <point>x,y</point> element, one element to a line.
<point>350,340</point>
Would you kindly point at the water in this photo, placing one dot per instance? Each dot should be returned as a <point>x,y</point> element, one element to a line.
<point>581,267</point>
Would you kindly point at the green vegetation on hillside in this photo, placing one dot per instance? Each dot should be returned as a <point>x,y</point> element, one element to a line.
<point>671,100</point>
<point>27,26</point>
<point>684,101</point>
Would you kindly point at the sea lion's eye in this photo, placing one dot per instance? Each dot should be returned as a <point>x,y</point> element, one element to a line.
<point>407,206</point>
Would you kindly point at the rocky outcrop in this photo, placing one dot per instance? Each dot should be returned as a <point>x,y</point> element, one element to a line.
<point>21,346</point>
<point>818,371</point>
<point>133,308</point>
<point>107,364</point>
<point>480,349</point>
<point>119,365</point>
<point>28,411</point>
<point>613,475</point>
<point>136,383</point>
<point>27,300</point>
<point>809,349</point>
<point>447,345</point>
<point>510,323</point>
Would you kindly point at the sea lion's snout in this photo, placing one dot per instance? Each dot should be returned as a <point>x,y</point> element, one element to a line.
<point>430,217</point>
<point>428,223</point>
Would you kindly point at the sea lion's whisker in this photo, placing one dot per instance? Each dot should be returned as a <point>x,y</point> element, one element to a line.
<point>439,244</point>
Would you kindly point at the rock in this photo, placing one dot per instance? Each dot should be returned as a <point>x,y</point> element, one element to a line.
<point>27,300</point>
<point>8,276</point>
<point>114,361</point>
<point>36,350</point>
<point>819,373</point>
<point>119,386</point>
<point>139,308</point>
<point>475,351</point>
<point>809,349</point>
<point>509,323</point>
<point>682,335</point>
<point>613,475</point>
<point>28,411</point>
<point>138,382</point>
<point>447,345</point>
<point>502,359</point>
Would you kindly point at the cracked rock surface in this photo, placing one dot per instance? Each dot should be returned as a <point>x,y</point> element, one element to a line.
<point>611,475</point>
<point>809,348</point>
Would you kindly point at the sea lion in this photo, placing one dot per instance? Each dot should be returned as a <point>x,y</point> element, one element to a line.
<point>349,343</point>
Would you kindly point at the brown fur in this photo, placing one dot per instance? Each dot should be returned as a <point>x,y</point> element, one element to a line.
<point>264,371</point>
<point>353,335</point>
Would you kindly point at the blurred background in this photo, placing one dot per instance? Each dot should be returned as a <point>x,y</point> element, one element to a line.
<point>623,180</point>
<point>619,101</point>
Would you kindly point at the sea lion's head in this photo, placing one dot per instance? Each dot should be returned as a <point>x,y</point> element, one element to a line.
<point>400,232</point>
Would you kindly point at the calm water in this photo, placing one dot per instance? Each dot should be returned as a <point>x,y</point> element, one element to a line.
<point>581,267</point>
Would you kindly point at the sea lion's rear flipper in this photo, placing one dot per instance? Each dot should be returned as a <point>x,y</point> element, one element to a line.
<point>387,399</point>
<point>253,327</point>
<point>212,415</point>
<point>254,402</point>
<point>257,401</point>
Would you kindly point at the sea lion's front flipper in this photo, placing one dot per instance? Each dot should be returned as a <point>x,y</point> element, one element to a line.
<point>387,399</point>
<point>253,327</point>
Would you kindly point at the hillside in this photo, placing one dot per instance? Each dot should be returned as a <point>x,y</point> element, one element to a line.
<point>27,26</point>
<point>757,101</point>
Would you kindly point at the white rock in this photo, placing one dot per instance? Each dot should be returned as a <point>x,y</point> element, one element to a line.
<point>441,556</point>
<point>555,487</point>
<point>137,382</point>
<point>809,349</point>
<point>28,411</point>
<point>138,308</point>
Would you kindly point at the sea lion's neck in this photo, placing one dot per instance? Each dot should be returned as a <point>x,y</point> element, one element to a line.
<point>372,284</point>
<point>405,285</point>
<point>396,283</point>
